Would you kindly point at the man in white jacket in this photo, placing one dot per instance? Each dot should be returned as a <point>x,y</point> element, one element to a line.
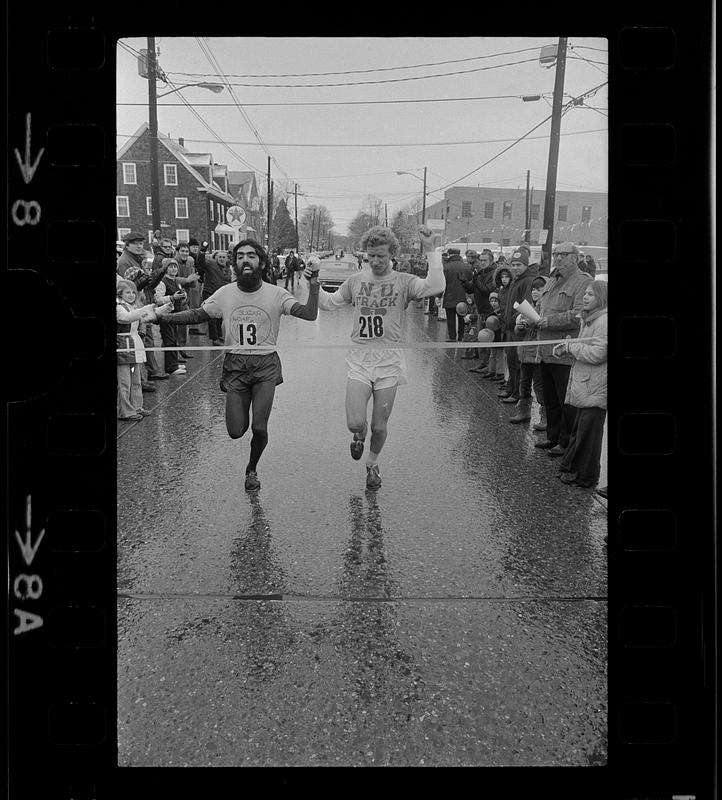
<point>380,295</point>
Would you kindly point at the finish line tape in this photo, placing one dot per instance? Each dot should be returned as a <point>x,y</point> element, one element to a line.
<point>355,346</point>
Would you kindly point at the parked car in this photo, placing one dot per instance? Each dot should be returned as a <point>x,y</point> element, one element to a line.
<point>332,274</point>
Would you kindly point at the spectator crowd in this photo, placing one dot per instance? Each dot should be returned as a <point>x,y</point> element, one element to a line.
<point>481,302</point>
<point>559,301</point>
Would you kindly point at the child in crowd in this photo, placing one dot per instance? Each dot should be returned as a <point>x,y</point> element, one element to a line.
<point>470,333</point>
<point>530,372</point>
<point>587,390</point>
<point>128,314</point>
<point>169,288</point>
<point>497,363</point>
<point>503,278</point>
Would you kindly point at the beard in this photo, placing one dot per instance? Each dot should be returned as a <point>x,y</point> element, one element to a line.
<point>249,281</point>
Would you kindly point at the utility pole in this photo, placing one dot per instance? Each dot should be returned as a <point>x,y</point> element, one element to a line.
<point>295,211</point>
<point>313,224</point>
<point>551,185</point>
<point>423,210</point>
<point>153,134</point>
<point>527,222</point>
<point>386,214</point>
<point>268,202</point>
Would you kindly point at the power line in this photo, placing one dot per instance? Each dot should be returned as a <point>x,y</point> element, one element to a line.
<point>359,71</point>
<point>213,133</point>
<point>351,102</point>
<point>386,144</point>
<point>208,52</point>
<point>387,80</point>
<point>129,49</point>
<point>593,63</point>
<point>569,105</point>
<point>196,114</point>
<point>584,47</point>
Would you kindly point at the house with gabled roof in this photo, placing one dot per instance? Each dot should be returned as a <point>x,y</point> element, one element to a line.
<point>244,188</point>
<point>195,192</point>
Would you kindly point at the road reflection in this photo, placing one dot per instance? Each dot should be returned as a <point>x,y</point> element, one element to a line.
<point>380,673</point>
<point>260,622</point>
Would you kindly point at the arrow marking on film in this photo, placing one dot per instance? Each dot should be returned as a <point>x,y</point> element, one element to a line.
<point>28,169</point>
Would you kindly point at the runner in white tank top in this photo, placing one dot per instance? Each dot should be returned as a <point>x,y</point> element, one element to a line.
<point>380,296</point>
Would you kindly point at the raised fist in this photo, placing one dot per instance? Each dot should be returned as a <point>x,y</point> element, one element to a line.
<point>313,265</point>
<point>427,236</point>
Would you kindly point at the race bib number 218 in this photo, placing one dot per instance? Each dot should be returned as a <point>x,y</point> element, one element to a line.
<point>371,327</point>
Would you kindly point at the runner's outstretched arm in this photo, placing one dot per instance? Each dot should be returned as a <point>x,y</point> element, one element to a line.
<point>310,310</point>
<point>190,317</point>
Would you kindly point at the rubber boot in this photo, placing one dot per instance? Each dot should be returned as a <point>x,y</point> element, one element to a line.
<point>542,424</point>
<point>523,410</point>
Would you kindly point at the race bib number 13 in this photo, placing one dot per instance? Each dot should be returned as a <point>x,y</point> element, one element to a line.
<point>371,327</point>
<point>247,334</point>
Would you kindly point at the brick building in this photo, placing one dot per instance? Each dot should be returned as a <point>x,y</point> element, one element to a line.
<point>195,192</point>
<point>490,214</point>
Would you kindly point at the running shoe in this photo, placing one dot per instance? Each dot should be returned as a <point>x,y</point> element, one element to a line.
<point>373,479</point>
<point>252,482</point>
<point>357,447</point>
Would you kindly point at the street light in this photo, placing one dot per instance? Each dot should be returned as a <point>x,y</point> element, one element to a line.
<point>423,212</point>
<point>216,88</point>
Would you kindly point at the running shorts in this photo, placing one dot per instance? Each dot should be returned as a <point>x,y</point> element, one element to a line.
<point>379,369</point>
<point>240,372</point>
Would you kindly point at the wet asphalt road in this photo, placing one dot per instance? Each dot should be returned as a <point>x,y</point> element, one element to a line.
<point>458,616</point>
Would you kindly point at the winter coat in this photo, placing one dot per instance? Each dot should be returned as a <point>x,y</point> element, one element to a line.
<point>186,268</point>
<point>214,276</point>
<point>504,294</point>
<point>127,334</point>
<point>159,255</point>
<point>527,355</point>
<point>481,285</point>
<point>561,305</point>
<point>457,273</point>
<point>168,287</point>
<point>587,385</point>
<point>146,282</point>
<point>519,290</point>
<point>128,261</point>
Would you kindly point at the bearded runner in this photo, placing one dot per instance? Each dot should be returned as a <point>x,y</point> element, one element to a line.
<point>251,310</point>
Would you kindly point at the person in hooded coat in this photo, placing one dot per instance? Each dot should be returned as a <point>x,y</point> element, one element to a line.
<point>587,390</point>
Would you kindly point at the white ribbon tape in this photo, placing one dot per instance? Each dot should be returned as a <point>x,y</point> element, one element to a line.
<point>355,346</point>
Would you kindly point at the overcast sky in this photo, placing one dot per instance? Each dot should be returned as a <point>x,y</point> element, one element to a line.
<point>315,145</point>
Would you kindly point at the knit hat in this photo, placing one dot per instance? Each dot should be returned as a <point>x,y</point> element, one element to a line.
<point>520,255</point>
<point>167,261</point>
<point>191,242</point>
<point>493,294</point>
<point>471,254</point>
<point>524,246</point>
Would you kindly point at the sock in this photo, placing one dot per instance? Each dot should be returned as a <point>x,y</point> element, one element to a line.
<point>372,459</point>
<point>361,437</point>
